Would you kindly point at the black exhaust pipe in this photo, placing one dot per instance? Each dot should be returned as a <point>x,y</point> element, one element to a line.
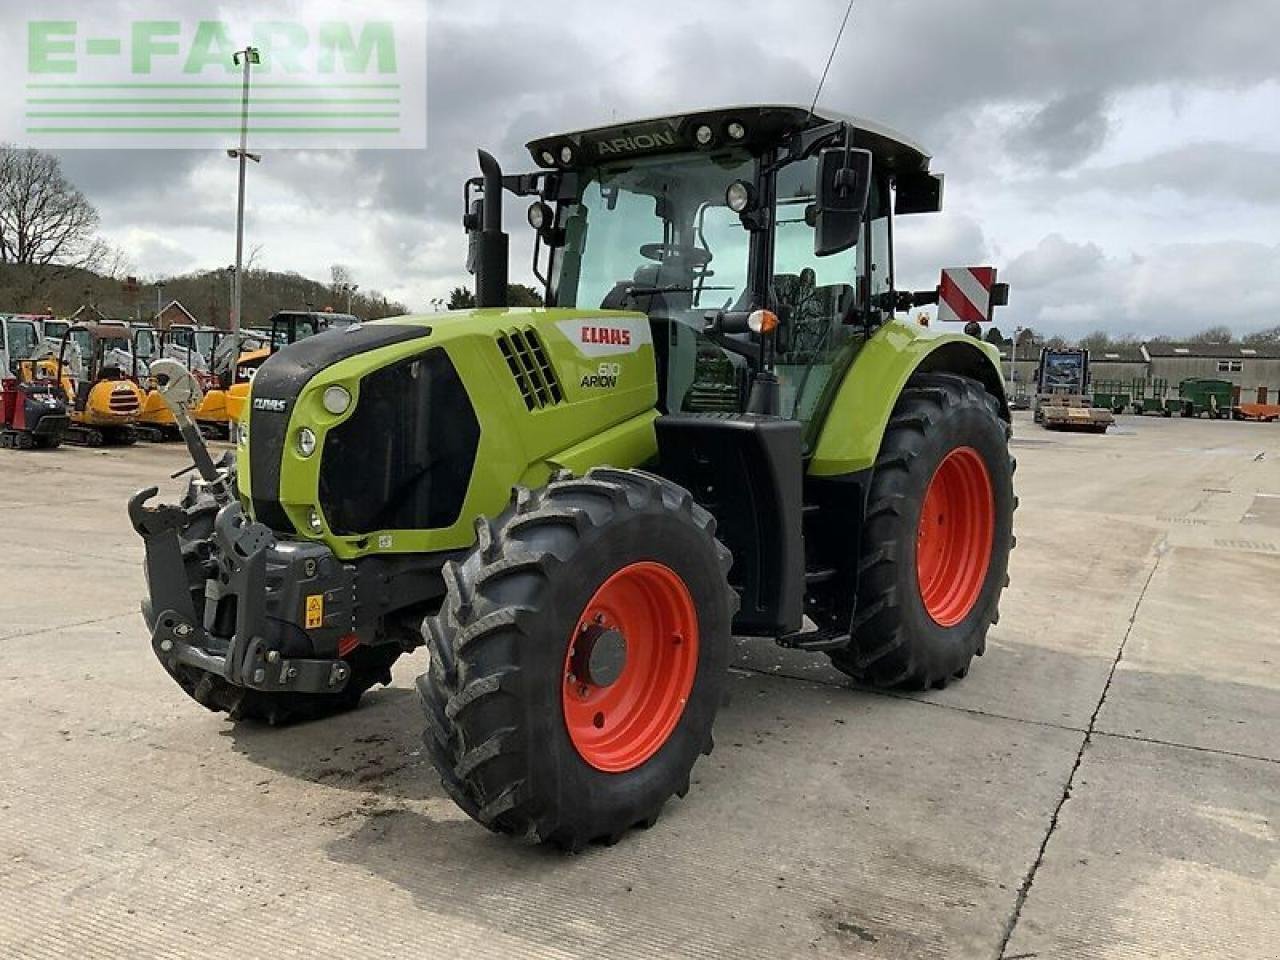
<point>490,243</point>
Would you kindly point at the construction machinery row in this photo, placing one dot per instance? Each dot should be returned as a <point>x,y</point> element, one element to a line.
<point>91,383</point>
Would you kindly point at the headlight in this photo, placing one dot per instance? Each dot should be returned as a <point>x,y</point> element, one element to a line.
<point>313,521</point>
<point>336,400</point>
<point>548,158</point>
<point>740,196</point>
<point>566,155</point>
<point>704,135</point>
<point>306,441</point>
<point>539,215</point>
<point>736,131</point>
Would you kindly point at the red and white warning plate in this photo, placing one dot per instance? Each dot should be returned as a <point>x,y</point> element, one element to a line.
<point>965,294</point>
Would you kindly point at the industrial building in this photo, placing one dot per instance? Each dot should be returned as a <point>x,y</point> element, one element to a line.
<point>1253,370</point>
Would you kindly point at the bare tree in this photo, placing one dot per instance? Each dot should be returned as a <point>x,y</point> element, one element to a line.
<point>1271,335</point>
<point>1218,334</point>
<point>340,276</point>
<point>44,218</point>
<point>1096,341</point>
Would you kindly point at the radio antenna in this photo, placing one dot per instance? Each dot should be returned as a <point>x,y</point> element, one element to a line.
<point>834,47</point>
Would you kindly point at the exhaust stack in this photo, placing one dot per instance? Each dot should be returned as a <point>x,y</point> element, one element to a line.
<point>489,245</point>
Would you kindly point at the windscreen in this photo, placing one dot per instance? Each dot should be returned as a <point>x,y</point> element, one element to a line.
<point>655,234</point>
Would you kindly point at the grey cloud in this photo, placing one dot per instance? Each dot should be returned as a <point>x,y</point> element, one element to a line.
<point>1065,131</point>
<point>1054,260</point>
<point>500,74</point>
<point>1067,288</point>
<point>1197,170</point>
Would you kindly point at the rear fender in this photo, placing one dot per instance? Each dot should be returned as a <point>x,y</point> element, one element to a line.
<point>850,436</point>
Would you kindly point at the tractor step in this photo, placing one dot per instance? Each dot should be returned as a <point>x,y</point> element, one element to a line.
<point>816,641</point>
<point>823,575</point>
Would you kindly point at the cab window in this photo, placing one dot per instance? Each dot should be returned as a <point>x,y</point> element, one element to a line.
<point>22,339</point>
<point>813,296</point>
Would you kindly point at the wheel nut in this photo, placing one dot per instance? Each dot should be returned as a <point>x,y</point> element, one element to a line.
<point>166,644</point>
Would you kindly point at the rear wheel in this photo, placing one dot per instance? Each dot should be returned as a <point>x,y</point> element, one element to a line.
<point>936,542</point>
<point>579,658</point>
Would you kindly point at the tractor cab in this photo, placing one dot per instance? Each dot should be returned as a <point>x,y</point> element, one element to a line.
<point>19,338</point>
<point>53,329</point>
<point>286,327</point>
<point>32,411</point>
<point>95,353</point>
<point>757,240</point>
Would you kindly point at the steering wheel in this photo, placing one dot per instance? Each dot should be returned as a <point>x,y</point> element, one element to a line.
<point>665,252</point>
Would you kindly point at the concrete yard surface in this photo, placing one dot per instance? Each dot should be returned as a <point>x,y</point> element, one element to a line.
<point>1104,784</point>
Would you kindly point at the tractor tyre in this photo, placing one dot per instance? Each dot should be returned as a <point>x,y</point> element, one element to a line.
<point>935,546</point>
<point>579,658</point>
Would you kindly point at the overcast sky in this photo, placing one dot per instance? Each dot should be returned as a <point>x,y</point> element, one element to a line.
<point>1118,161</point>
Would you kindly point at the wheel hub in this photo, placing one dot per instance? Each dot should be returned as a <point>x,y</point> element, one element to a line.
<point>629,666</point>
<point>955,536</point>
<point>599,654</point>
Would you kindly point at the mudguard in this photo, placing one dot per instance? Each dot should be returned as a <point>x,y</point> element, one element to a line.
<point>856,419</point>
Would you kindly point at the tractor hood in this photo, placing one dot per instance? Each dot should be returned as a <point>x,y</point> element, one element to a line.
<point>379,437</point>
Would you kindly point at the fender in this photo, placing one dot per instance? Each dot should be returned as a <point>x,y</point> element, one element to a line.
<point>850,436</point>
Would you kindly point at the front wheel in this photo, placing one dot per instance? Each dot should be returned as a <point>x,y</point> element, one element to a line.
<point>579,658</point>
<point>935,546</point>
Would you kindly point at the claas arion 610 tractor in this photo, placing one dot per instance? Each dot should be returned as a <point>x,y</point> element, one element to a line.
<point>716,426</point>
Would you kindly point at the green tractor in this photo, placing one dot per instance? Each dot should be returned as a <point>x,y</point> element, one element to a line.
<point>716,427</point>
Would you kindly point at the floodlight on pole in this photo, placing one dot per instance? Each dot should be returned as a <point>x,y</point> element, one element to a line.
<point>248,58</point>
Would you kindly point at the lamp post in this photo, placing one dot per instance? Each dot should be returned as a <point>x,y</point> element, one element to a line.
<point>1013,355</point>
<point>349,289</point>
<point>248,57</point>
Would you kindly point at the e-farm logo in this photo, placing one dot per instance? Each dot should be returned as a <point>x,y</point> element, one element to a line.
<point>101,82</point>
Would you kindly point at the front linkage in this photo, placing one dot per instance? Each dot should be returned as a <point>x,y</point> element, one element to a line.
<point>259,627</point>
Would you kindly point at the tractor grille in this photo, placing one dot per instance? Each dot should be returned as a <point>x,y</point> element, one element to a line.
<point>533,373</point>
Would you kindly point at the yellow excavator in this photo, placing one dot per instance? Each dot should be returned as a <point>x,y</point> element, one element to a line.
<point>210,354</point>
<point>155,419</point>
<point>93,365</point>
<point>193,347</point>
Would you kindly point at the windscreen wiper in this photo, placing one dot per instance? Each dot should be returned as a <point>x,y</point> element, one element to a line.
<point>650,291</point>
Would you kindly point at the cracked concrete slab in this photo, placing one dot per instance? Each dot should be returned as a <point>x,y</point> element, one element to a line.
<point>1160,852</point>
<point>831,821</point>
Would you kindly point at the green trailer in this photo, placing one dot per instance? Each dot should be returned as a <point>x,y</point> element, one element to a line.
<point>1204,395</point>
<point>1112,395</point>
<point>1152,397</point>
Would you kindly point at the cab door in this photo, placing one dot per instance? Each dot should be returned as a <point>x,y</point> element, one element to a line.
<point>821,301</point>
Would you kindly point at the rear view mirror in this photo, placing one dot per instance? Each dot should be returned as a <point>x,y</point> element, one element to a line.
<point>844,186</point>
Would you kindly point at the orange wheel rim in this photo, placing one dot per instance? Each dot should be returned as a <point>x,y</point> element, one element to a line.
<point>630,665</point>
<point>953,543</point>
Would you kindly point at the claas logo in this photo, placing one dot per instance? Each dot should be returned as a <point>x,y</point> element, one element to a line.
<point>607,335</point>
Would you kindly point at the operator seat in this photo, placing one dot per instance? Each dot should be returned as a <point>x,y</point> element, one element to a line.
<point>621,297</point>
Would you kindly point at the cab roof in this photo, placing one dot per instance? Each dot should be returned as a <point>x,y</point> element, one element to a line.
<point>102,331</point>
<point>764,125</point>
